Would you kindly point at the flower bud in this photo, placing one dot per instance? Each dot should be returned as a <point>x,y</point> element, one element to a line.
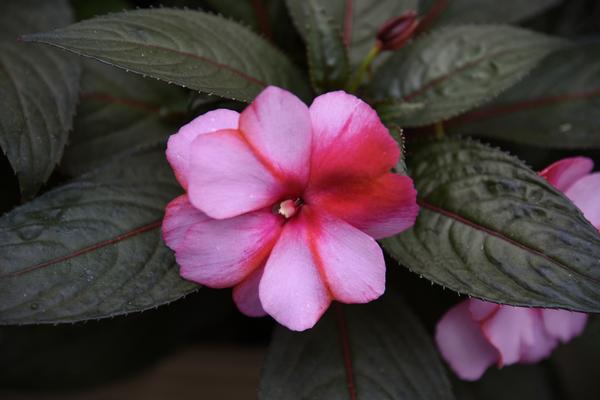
<point>395,32</point>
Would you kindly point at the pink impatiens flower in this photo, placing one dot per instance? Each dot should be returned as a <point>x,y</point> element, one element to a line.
<point>475,334</point>
<point>284,202</point>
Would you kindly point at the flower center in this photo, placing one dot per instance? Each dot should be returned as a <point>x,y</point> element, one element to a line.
<point>288,208</point>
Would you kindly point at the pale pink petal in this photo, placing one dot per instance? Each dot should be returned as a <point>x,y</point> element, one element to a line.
<point>227,179</point>
<point>178,146</point>
<point>350,261</point>
<point>462,343</point>
<point>379,207</point>
<point>585,194</point>
<point>221,253</point>
<point>562,174</point>
<point>349,139</point>
<point>277,126</point>
<point>564,325</point>
<point>245,294</point>
<point>481,310</point>
<point>291,289</point>
<point>180,215</point>
<point>518,334</point>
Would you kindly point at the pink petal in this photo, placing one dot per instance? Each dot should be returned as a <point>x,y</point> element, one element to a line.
<point>178,147</point>
<point>564,325</point>
<point>350,261</point>
<point>227,179</point>
<point>519,335</point>
<point>221,253</point>
<point>462,343</point>
<point>277,125</point>
<point>585,194</point>
<point>291,289</point>
<point>481,310</point>
<point>179,217</point>
<point>379,207</point>
<point>245,294</point>
<point>562,174</point>
<point>349,139</point>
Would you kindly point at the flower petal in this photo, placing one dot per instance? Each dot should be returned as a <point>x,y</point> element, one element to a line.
<point>562,174</point>
<point>379,207</point>
<point>349,139</point>
<point>350,261</point>
<point>291,289</point>
<point>221,253</point>
<point>564,325</point>
<point>462,343</point>
<point>178,147</point>
<point>277,125</point>
<point>519,335</point>
<point>585,194</point>
<point>227,179</point>
<point>180,215</point>
<point>245,294</point>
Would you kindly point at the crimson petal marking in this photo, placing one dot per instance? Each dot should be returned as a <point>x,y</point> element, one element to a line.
<point>222,253</point>
<point>277,125</point>
<point>292,290</point>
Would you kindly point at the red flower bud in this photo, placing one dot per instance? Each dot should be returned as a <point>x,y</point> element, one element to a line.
<point>395,32</point>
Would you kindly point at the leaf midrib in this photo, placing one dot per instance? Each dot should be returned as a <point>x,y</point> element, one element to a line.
<point>87,249</point>
<point>40,39</point>
<point>499,235</point>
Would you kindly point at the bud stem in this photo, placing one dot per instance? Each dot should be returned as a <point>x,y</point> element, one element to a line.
<point>364,67</point>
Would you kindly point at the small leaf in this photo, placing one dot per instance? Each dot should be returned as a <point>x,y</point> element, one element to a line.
<point>492,228</point>
<point>92,248</point>
<point>457,68</point>
<point>190,48</point>
<point>373,351</point>
<point>119,111</point>
<point>327,57</point>
<point>38,91</point>
<point>555,106</point>
<point>453,12</point>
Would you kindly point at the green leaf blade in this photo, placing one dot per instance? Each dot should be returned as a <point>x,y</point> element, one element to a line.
<point>117,112</point>
<point>189,48</point>
<point>38,91</point>
<point>376,351</point>
<point>327,56</point>
<point>555,106</point>
<point>457,68</point>
<point>92,248</point>
<point>491,228</point>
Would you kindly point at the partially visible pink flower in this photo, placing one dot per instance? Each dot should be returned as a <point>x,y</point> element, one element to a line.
<point>475,334</point>
<point>284,202</point>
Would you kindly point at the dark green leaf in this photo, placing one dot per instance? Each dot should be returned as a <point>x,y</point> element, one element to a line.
<point>377,351</point>
<point>190,48</point>
<point>556,106</point>
<point>38,91</point>
<point>492,228</point>
<point>119,111</point>
<point>92,248</point>
<point>452,12</point>
<point>457,68</point>
<point>327,57</point>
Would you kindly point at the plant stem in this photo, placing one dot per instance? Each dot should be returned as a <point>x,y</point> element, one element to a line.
<point>364,67</point>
